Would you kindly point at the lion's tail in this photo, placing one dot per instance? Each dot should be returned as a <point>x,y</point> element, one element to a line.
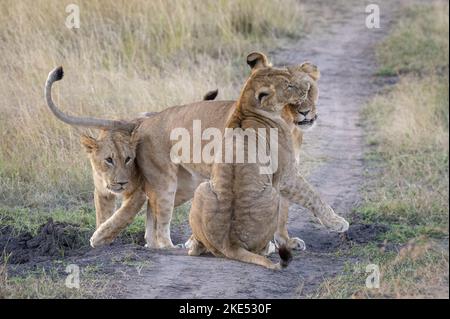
<point>56,75</point>
<point>285,255</point>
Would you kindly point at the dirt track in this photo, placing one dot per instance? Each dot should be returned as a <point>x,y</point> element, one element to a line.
<point>342,47</point>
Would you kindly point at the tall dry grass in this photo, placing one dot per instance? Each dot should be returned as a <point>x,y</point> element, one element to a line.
<point>127,57</point>
<point>408,184</point>
<point>418,41</point>
<point>411,122</point>
<point>412,138</point>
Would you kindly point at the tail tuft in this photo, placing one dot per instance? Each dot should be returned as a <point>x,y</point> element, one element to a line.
<point>211,95</point>
<point>57,74</point>
<point>285,255</point>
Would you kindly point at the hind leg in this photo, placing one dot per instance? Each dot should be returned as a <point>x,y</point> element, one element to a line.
<point>246,256</point>
<point>207,223</point>
<point>161,202</point>
<point>196,248</point>
<point>151,239</point>
<point>210,228</point>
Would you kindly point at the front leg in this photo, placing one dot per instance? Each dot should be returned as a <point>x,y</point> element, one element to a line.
<point>298,190</point>
<point>105,205</point>
<point>297,139</point>
<point>111,228</point>
<point>281,235</point>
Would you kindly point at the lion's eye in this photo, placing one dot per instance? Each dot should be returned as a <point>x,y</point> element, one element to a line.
<point>109,161</point>
<point>290,87</point>
<point>127,160</point>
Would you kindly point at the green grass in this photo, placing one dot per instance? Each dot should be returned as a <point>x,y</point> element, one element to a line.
<point>26,220</point>
<point>407,185</point>
<point>410,190</point>
<point>181,214</point>
<point>127,57</point>
<point>417,270</point>
<point>419,41</point>
<point>49,284</point>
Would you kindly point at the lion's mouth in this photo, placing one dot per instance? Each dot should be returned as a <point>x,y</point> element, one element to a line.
<point>306,122</point>
<point>116,188</point>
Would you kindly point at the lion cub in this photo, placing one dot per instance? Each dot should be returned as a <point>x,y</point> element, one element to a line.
<point>113,159</point>
<point>235,214</point>
<point>299,118</point>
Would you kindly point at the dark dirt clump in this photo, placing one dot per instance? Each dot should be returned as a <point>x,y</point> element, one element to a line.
<point>343,49</point>
<point>53,239</point>
<point>365,233</point>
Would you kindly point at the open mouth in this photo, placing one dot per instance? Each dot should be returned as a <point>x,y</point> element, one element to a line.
<point>307,122</point>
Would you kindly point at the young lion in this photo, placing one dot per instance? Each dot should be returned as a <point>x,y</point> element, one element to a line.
<point>298,118</point>
<point>168,184</point>
<point>112,156</point>
<point>235,214</point>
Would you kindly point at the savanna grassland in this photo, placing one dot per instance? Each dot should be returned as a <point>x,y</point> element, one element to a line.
<point>135,56</point>
<point>127,57</point>
<point>408,183</point>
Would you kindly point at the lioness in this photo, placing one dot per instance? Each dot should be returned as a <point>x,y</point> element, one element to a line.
<point>169,184</point>
<point>112,158</point>
<point>235,214</point>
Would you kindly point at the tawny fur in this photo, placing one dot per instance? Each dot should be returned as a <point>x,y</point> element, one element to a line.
<point>167,184</point>
<point>235,214</point>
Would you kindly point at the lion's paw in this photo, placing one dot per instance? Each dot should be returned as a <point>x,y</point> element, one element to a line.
<point>188,244</point>
<point>276,267</point>
<point>296,243</point>
<point>151,245</point>
<point>162,244</point>
<point>339,224</point>
<point>336,223</point>
<point>166,245</point>
<point>270,249</point>
<point>97,240</point>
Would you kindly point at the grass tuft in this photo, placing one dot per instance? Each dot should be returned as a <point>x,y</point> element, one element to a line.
<point>407,187</point>
<point>127,57</point>
<point>419,41</point>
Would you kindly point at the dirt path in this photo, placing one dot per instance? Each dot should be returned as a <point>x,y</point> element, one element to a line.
<point>343,49</point>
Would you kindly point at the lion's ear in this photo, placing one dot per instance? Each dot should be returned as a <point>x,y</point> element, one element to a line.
<point>134,140</point>
<point>262,93</point>
<point>257,60</point>
<point>89,143</point>
<point>311,69</point>
<point>211,95</point>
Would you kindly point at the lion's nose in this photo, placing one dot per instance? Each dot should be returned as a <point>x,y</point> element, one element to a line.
<point>304,113</point>
<point>122,183</point>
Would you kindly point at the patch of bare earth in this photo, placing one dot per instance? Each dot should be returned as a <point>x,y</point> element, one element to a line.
<point>343,50</point>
